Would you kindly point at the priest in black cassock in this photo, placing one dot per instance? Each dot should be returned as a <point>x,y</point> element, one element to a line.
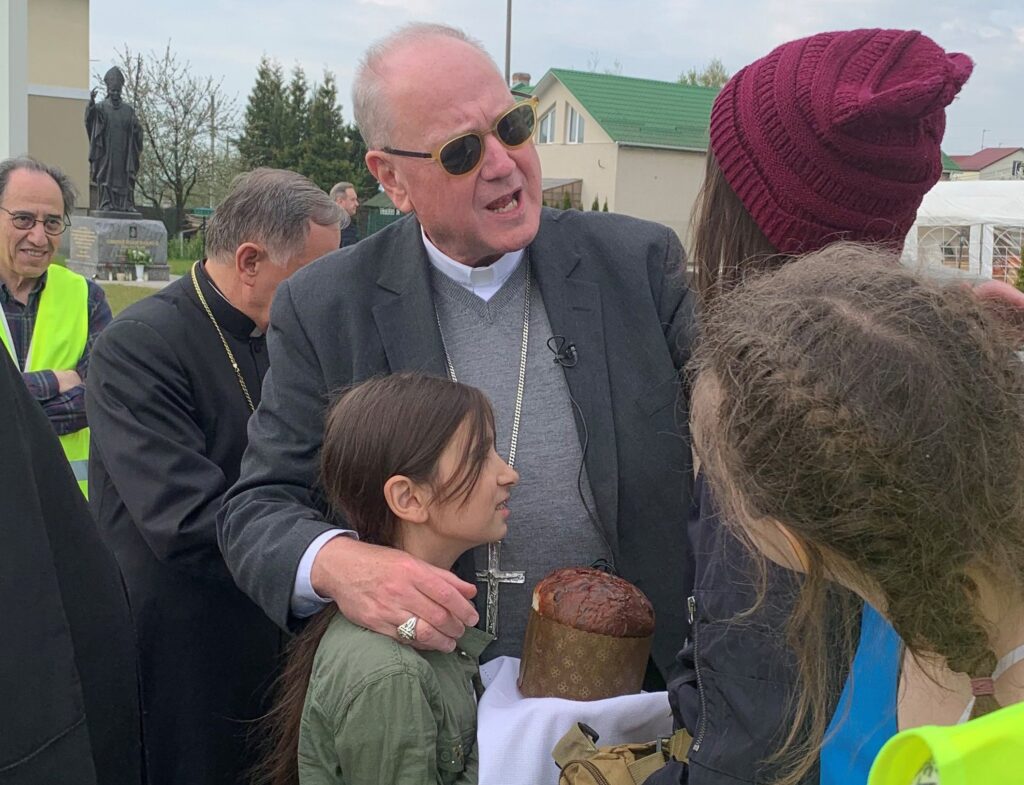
<point>68,692</point>
<point>172,384</point>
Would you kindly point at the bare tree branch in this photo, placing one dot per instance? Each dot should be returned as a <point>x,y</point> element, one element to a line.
<point>178,111</point>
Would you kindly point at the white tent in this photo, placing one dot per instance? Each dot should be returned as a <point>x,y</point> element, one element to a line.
<point>974,226</point>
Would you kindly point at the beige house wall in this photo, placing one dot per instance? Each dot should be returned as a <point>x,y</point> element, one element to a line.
<point>652,183</point>
<point>659,185</point>
<point>1002,169</point>
<point>58,33</point>
<point>58,87</point>
<point>593,161</point>
<point>557,96</point>
<point>56,135</point>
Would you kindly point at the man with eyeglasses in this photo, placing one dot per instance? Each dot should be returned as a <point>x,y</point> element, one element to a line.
<point>574,324</point>
<point>51,316</point>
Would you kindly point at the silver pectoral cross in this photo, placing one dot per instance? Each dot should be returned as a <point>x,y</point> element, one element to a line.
<point>493,576</point>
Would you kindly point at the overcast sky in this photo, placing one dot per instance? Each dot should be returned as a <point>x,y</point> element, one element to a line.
<point>656,39</point>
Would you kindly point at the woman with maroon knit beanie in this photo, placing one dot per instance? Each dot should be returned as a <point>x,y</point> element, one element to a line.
<point>835,137</point>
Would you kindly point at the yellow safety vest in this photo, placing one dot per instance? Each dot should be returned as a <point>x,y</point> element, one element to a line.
<point>985,751</point>
<point>58,341</point>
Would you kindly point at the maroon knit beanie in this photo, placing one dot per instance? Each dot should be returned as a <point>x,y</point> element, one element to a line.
<point>837,136</point>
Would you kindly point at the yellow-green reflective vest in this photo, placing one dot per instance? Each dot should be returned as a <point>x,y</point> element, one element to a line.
<point>58,341</point>
<point>985,751</point>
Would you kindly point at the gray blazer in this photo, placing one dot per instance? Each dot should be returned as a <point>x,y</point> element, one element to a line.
<point>612,285</point>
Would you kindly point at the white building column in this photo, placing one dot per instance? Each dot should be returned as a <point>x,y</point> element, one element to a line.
<point>909,256</point>
<point>974,251</point>
<point>987,249</point>
<point>13,78</point>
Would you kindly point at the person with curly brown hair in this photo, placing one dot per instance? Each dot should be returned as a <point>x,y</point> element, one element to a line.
<point>859,425</point>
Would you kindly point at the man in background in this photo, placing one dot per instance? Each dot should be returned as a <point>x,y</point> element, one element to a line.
<point>345,195</point>
<point>51,316</point>
<point>174,380</point>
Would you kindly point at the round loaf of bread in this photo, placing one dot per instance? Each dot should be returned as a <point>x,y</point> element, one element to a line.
<point>594,601</point>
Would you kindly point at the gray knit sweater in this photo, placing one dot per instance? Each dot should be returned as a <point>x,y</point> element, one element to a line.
<point>549,526</point>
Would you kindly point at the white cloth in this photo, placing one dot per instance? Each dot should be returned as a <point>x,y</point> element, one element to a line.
<point>484,282</point>
<point>515,735</point>
<point>305,600</point>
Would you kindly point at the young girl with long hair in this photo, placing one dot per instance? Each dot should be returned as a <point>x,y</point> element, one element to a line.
<point>409,460</point>
<point>861,426</point>
<point>831,137</point>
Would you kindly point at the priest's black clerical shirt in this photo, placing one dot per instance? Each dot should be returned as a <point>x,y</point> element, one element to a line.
<point>168,419</point>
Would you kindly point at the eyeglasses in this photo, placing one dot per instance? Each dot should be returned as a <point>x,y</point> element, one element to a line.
<point>463,154</point>
<point>52,224</point>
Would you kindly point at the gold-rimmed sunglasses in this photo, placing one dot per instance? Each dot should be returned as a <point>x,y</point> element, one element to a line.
<point>462,154</point>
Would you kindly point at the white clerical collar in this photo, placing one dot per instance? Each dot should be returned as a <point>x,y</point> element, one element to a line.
<point>484,282</point>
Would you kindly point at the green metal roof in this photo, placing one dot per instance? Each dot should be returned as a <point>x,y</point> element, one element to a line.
<point>948,164</point>
<point>379,199</point>
<point>643,111</point>
<point>523,87</point>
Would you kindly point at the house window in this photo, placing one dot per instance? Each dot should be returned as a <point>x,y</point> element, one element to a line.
<point>573,127</point>
<point>546,128</point>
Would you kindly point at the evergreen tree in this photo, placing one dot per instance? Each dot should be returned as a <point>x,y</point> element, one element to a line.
<point>595,206</point>
<point>355,155</point>
<point>605,208</point>
<point>324,151</point>
<point>566,201</point>
<point>295,128</point>
<point>262,141</point>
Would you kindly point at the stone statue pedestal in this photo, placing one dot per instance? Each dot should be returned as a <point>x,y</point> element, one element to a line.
<point>98,243</point>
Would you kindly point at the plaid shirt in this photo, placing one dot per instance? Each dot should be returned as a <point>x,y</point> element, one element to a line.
<point>65,410</point>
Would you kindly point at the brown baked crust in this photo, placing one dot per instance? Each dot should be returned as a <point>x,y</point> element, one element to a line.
<point>594,601</point>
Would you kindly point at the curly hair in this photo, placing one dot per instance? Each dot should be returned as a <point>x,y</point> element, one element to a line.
<point>879,418</point>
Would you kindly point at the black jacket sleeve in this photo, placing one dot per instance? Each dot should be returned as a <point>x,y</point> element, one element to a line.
<point>139,404</point>
<point>69,707</point>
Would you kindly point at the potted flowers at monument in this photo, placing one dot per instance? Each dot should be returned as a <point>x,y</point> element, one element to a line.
<point>141,258</point>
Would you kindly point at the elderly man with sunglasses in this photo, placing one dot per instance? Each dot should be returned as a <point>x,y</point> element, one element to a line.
<point>51,316</point>
<point>574,324</point>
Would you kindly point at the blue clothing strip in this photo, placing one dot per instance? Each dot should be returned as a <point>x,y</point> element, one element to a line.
<point>866,716</point>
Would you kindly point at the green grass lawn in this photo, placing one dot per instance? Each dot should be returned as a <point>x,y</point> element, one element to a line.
<point>180,266</point>
<point>120,296</point>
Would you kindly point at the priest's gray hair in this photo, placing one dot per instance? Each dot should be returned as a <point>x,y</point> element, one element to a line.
<point>369,103</point>
<point>272,207</point>
<point>11,165</point>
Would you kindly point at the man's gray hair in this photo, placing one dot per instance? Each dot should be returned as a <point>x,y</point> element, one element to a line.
<point>10,165</point>
<point>369,104</point>
<point>340,188</point>
<point>272,207</point>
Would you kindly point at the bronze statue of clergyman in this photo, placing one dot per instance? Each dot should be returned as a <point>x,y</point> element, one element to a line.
<point>115,142</point>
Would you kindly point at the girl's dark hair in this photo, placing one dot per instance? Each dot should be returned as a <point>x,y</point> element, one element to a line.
<point>397,424</point>
<point>880,418</point>
<point>727,243</point>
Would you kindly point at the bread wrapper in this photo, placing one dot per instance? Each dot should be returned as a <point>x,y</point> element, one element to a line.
<point>564,653</point>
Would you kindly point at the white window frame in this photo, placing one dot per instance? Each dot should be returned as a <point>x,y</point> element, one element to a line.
<point>546,135</point>
<point>574,126</point>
